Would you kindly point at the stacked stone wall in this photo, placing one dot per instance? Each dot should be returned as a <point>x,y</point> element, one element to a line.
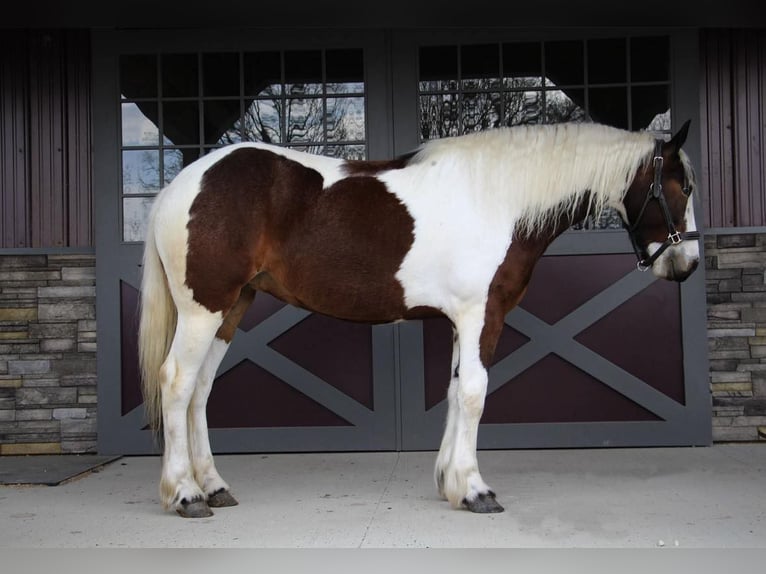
<point>47,354</point>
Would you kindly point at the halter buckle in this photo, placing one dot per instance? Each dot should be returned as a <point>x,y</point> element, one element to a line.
<point>674,238</point>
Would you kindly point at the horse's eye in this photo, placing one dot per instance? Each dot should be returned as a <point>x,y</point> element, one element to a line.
<point>687,190</point>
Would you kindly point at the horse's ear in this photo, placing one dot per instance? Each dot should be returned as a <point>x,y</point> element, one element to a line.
<point>678,140</point>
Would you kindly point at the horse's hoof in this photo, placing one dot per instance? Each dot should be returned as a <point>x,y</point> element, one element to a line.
<point>221,498</point>
<point>197,508</point>
<point>484,504</point>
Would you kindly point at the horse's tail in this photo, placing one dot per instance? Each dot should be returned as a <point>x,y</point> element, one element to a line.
<point>156,327</point>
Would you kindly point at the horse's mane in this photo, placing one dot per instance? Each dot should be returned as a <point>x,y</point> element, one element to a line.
<point>544,172</point>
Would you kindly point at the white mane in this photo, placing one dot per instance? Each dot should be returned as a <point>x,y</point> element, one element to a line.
<point>543,172</point>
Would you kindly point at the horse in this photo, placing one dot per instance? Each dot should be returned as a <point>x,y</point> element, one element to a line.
<point>453,229</point>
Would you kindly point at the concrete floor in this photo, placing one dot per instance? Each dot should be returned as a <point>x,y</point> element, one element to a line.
<point>630,498</point>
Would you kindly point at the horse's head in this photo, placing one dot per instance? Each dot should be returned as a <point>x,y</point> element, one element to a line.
<point>659,212</point>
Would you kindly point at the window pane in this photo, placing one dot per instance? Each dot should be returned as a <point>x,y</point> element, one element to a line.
<point>438,68</point>
<point>139,124</point>
<point>607,61</point>
<point>439,116</point>
<point>135,216</point>
<point>220,74</point>
<point>564,63</point>
<point>180,123</point>
<point>304,120</point>
<point>650,59</point>
<point>140,171</point>
<point>523,108</point>
<point>522,64</point>
<point>651,108</point>
<point>263,74</point>
<point>262,122</point>
<point>346,151</point>
<point>303,72</point>
<point>609,106</point>
<point>176,160</point>
<point>179,75</point>
<point>222,122</point>
<point>480,67</point>
<point>565,106</point>
<point>481,111</point>
<point>345,71</point>
<point>138,76</point>
<point>345,119</point>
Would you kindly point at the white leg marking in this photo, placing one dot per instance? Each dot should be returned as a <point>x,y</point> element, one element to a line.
<point>205,473</point>
<point>448,438</point>
<point>462,480</point>
<point>194,335</point>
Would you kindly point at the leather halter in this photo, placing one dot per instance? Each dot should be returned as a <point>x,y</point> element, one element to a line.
<point>655,194</point>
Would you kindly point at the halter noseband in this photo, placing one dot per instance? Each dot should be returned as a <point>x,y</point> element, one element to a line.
<point>655,193</point>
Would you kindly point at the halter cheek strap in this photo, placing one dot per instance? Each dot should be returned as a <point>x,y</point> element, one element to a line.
<point>655,194</point>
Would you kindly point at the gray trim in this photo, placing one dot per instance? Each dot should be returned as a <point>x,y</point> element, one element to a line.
<point>47,251</point>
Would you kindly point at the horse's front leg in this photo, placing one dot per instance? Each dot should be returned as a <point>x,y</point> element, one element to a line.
<point>448,438</point>
<point>462,483</point>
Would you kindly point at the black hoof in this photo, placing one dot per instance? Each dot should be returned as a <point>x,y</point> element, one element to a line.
<point>221,498</point>
<point>484,504</point>
<point>197,508</point>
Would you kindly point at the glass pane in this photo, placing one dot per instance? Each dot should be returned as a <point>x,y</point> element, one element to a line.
<point>610,219</point>
<point>176,160</point>
<point>346,151</point>
<point>222,122</point>
<point>565,106</point>
<point>303,72</point>
<point>345,71</point>
<point>564,63</point>
<point>304,120</point>
<point>607,62</point>
<point>651,108</point>
<point>438,68</point>
<point>262,122</point>
<point>523,108</point>
<point>439,116</point>
<point>135,216</point>
<point>179,75</point>
<point>522,64</point>
<point>650,59</point>
<point>263,73</point>
<point>140,171</point>
<point>481,111</point>
<point>315,149</point>
<point>139,124</point>
<point>609,106</point>
<point>138,76</point>
<point>220,74</point>
<point>180,123</point>
<point>345,119</point>
<point>480,67</point>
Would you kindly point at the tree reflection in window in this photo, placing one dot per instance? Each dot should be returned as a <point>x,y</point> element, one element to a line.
<point>623,82</point>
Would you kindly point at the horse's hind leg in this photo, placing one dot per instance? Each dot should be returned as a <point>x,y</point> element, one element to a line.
<point>461,481</point>
<point>194,335</point>
<point>448,438</point>
<point>213,486</point>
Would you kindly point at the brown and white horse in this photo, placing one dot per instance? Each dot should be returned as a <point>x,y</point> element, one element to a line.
<point>453,229</point>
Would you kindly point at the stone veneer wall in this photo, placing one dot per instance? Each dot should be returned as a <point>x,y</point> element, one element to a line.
<point>736,310</point>
<point>47,354</point>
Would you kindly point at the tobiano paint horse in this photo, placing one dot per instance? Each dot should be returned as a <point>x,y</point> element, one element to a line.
<point>453,229</point>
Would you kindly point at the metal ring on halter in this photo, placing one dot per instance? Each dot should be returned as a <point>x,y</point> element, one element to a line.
<point>641,267</point>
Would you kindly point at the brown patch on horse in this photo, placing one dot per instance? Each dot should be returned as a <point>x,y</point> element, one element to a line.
<point>263,220</point>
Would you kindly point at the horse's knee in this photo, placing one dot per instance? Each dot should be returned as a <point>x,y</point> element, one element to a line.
<point>472,391</point>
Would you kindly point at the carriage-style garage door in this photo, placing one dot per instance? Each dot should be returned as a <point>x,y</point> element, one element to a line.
<point>597,353</point>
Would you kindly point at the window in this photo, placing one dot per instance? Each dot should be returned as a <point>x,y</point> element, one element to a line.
<point>624,82</point>
<point>177,107</point>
